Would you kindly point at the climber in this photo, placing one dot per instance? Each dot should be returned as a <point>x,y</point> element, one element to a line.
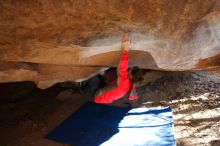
<point>125,85</point>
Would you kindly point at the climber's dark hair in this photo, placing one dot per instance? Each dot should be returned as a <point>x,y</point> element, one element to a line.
<point>137,74</point>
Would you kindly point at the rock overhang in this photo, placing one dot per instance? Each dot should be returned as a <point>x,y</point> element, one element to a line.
<point>53,41</point>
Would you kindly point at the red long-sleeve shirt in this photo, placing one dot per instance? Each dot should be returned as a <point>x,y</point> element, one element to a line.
<point>124,86</point>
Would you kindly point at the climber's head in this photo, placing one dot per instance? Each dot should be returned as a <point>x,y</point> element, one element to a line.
<point>135,74</point>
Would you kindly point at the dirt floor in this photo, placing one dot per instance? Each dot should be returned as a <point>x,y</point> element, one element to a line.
<point>28,114</point>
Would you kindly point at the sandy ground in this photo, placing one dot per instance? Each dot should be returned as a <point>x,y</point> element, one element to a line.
<point>194,99</point>
<point>193,96</point>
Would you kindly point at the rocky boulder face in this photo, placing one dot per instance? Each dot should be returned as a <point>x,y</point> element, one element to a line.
<point>71,40</point>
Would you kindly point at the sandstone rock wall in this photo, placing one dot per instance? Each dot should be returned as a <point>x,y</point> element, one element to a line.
<point>53,41</point>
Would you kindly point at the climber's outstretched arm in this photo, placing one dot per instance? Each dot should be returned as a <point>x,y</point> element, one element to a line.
<point>123,66</point>
<point>123,86</point>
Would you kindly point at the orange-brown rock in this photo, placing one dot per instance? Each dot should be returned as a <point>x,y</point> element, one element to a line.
<point>44,75</point>
<point>54,41</point>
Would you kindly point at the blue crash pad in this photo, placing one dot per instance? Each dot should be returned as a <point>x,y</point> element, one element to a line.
<point>103,125</point>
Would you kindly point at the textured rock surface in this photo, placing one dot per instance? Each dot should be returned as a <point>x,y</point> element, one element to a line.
<point>53,41</point>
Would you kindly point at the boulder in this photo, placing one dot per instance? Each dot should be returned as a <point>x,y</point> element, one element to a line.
<point>72,40</point>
